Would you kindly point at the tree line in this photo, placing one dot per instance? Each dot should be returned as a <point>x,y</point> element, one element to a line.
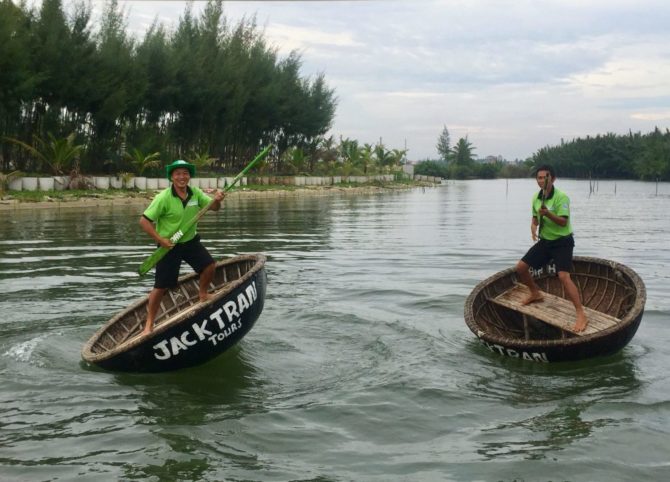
<point>459,162</point>
<point>609,156</point>
<point>105,102</point>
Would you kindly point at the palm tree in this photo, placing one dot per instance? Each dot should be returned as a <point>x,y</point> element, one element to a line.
<point>141,162</point>
<point>350,154</point>
<point>202,159</point>
<point>366,160</point>
<point>57,153</point>
<point>349,150</point>
<point>398,156</point>
<point>462,152</point>
<point>295,157</point>
<point>385,158</point>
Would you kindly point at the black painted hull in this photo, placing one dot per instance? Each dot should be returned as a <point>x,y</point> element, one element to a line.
<point>553,351</point>
<point>188,338</point>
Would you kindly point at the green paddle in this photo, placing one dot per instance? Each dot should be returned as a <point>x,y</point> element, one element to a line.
<point>157,255</point>
<point>544,198</point>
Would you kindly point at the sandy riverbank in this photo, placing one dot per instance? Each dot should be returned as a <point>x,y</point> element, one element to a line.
<point>119,199</point>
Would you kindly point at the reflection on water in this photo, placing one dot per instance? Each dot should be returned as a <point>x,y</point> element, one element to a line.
<point>227,381</point>
<point>196,411</point>
<point>561,415</point>
<point>360,366</point>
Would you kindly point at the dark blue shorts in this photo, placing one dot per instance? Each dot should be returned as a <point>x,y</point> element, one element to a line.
<point>193,252</point>
<point>560,250</point>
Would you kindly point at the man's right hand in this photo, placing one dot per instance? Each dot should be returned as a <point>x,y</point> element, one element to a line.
<point>166,243</point>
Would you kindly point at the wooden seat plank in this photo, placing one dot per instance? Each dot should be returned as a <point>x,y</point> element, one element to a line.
<point>554,310</point>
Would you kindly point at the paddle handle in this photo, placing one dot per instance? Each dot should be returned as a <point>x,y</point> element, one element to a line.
<point>260,156</point>
<point>544,198</point>
<point>158,254</point>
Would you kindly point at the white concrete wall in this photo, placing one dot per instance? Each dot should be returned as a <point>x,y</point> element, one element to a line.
<point>16,185</point>
<point>45,183</point>
<point>101,182</point>
<point>143,183</point>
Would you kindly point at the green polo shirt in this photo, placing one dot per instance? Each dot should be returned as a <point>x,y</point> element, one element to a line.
<point>169,212</point>
<point>559,204</point>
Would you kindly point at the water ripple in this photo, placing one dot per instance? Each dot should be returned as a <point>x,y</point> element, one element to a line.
<point>359,368</point>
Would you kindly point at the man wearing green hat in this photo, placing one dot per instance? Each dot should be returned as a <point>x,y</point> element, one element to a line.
<point>169,210</point>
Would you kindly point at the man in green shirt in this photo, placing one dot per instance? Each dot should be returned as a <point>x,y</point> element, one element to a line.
<point>550,223</point>
<point>167,212</point>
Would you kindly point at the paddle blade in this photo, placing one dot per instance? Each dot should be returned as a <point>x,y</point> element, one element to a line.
<point>151,261</point>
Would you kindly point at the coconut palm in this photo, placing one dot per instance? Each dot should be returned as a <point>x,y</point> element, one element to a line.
<point>462,152</point>
<point>57,153</point>
<point>141,162</point>
<point>366,160</point>
<point>385,158</point>
<point>349,150</point>
<point>296,159</point>
<point>398,156</point>
<point>201,160</point>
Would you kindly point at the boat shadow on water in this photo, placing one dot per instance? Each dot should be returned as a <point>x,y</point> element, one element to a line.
<point>559,403</point>
<point>195,407</point>
<point>186,397</point>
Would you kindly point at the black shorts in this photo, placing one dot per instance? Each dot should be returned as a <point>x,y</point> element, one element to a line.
<point>560,250</point>
<point>193,252</point>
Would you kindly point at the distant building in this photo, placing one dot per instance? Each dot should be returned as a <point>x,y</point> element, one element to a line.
<point>491,160</point>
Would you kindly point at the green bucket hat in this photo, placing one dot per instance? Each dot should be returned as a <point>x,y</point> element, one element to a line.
<point>180,163</point>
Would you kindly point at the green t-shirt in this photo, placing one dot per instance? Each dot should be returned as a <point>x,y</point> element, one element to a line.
<point>169,212</point>
<point>559,204</point>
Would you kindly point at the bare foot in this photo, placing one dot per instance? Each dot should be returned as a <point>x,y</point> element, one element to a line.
<point>148,328</point>
<point>532,298</point>
<point>207,297</point>
<point>580,324</point>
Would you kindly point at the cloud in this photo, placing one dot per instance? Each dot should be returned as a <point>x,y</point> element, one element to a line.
<point>289,38</point>
<point>652,116</point>
<point>512,75</point>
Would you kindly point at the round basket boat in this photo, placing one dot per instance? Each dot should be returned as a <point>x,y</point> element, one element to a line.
<point>613,296</point>
<point>186,332</point>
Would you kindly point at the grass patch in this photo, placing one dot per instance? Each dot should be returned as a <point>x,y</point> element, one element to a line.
<point>76,194</point>
<point>264,187</point>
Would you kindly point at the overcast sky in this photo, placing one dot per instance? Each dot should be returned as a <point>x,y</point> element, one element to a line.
<point>511,75</point>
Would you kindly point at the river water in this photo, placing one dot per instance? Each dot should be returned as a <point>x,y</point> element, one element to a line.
<point>360,368</point>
